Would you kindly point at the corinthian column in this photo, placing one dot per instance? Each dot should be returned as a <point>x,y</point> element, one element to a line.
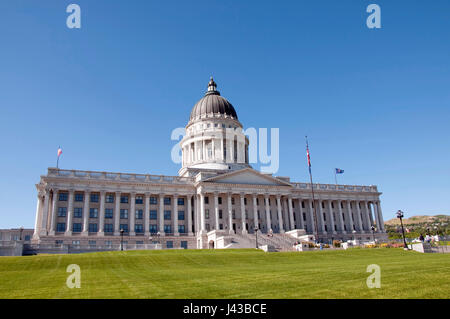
<point>358,213</point>
<point>117,214</point>
<point>161,214</point>
<point>216,210</point>
<point>86,214</point>
<point>268,219</point>
<point>175,215</point>
<point>146,214</point>
<point>291,213</point>
<point>44,214</point>
<point>54,212</point>
<point>280,215</point>
<point>330,209</point>
<point>243,217</point>
<point>341,220</point>
<point>255,211</point>
<point>322,222</point>
<point>70,214</point>
<point>101,215</point>
<point>189,215</point>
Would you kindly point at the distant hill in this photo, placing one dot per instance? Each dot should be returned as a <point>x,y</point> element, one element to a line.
<point>420,219</point>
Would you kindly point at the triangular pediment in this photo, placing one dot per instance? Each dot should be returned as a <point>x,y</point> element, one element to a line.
<point>247,176</point>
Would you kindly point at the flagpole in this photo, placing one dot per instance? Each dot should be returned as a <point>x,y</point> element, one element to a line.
<point>312,191</point>
<point>335,176</point>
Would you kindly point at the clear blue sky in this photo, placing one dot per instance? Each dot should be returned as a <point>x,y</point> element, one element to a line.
<point>375,103</point>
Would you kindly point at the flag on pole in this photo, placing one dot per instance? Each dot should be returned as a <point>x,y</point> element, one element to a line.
<point>57,158</point>
<point>59,151</point>
<point>339,171</point>
<point>309,159</point>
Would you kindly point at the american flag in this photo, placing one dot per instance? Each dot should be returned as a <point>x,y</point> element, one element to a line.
<point>339,171</point>
<point>59,151</point>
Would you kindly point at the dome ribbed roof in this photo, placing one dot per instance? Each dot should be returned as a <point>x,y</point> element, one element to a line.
<point>212,102</point>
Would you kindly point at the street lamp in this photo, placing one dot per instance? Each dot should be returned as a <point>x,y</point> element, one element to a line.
<point>121,239</point>
<point>21,231</point>
<point>256,234</point>
<point>400,216</point>
<point>373,232</point>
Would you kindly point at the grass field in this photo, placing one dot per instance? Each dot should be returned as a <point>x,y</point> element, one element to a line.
<point>228,274</point>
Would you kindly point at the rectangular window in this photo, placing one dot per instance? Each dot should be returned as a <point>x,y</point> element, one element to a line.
<point>139,214</point>
<point>168,229</point>
<point>181,201</point>
<point>220,226</point>
<point>139,200</point>
<point>76,242</point>
<point>207,227</point>
<point>232,200</point>
<point>167,200</point>
<point>324,216</point>
<point>220,200</point>
<point>139,228</point>
<point>63,197</point>
<point>124,213</point>
<point>108,213</point>
<point>93,213</point>
<point>245,201</point>
<point>234,214</point>
<point>167,214</point>
<point>206,200</point>
<point>110,198</point>
<point>180,215</point>
<point>184,244</point>
<point>153,228</point>
<point>303,204</point>
<point>304,216</point>
<point>76,227</point>
<point>169,244</point>
<point>94,198</point>
<point>77,212</point>
<point>61,227</point>
<point>79,197</point>
<point>220,214</point>
<point>124,227</point>
<point>206,213</point>
<point>92,243</point>
<point>93,228</point>
<point>124,199</point>
<point>153,200</point>
<point>181,229</point>
<point>153,214</point>
<point>62,211</point>
<point>109,228</point>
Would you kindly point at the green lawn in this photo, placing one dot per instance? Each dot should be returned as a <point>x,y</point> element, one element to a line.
<point>228,274</point>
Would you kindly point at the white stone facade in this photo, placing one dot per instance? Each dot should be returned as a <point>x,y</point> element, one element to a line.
<point>216,190</point>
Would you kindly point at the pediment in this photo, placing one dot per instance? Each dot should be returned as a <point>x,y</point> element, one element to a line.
<point>247,176</point>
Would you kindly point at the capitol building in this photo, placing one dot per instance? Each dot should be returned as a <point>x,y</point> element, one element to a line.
<point>217,200</point>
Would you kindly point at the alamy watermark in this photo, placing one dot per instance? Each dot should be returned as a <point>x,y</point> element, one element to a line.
<point>374,280</point>
<point>74,279</point>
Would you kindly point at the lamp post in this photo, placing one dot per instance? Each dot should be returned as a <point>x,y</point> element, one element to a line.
<point>400,216</point>
<point>21,231</point>
<point>256,234</point>
<point>121,239</point>
<point>373,232</point>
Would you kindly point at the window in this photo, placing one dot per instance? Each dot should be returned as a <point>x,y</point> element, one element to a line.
<point>76,227</point>
<point>169,244</point>
<point>61,227</point>
<point>93,213</point>
<point>77,212</point>
<point>206,200</point>
<point>304,216</point>
<point>181,229</point>
<point>167,201</point>
<point>180,215</point>
<point>139,214</point>
<point>124,199</point>
<point>232,201</point>
<point>168,229</point>
<point>108,228</point>
<point>303,204</point>
<point>206,213</point>
<point>94,198</point>
<point>63,197</point>
<point>153,228</point>
<point>343,216</point>
<point>139,242</point>
<point>220,226</point>
<point>234,214</point>
<point>62,211</point>
<point>124,227</point>
<point>167,214</point>
<point>92,243</point>
<point>181,201</point>
<point>184,244</point>
<point>79,197</point>
<point>138,228</point>
<point>139,200</point>
<point>153,201</point>
<point>108,213</point>
<point>124,213</point>
<point>220,214</point>
<point>153,214</point>
<point>245,201</point>
<point>27,237</point>
<point>110,198</point>
<point>220,200</point>
<point>257,202</point>
<point>93,228</point>
<point>76,242</point>
<point>207,227</point>
<point>324,216</point>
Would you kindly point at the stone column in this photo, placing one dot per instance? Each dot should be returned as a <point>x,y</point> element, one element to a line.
<point>358,212</point>
<point>230,213</point>
<point>101,218</point>
<point>146,214</point>
<point>189,215</point>
<point>280,215</point>
<point>85,232</point>
<point>268,219</point>
<point>341,220</point>
<point>286,220</point>
<point>350,218</point>
<point>291,213</point>
<point>213,151</point>
<point>175,215</point>
<point>302,225</point>
<point>243,215</point>
<point>377,220</point>
<point>380,216</point>
<point>203,151</point>
<point>54,213</point>
<point>311,214</point>
<point>366,211</point>
<point>70,214</point>
<point>161,214</point>
<point>216,210</point>
<point>221,150</point>
<point>132,214</point>
<point>37,221</point>
<point>44,214</point>
<point>255,211</point>
<point>322,222</point>
<point>117,214</point>
<point>330,209</point>
<point>202,213</point>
